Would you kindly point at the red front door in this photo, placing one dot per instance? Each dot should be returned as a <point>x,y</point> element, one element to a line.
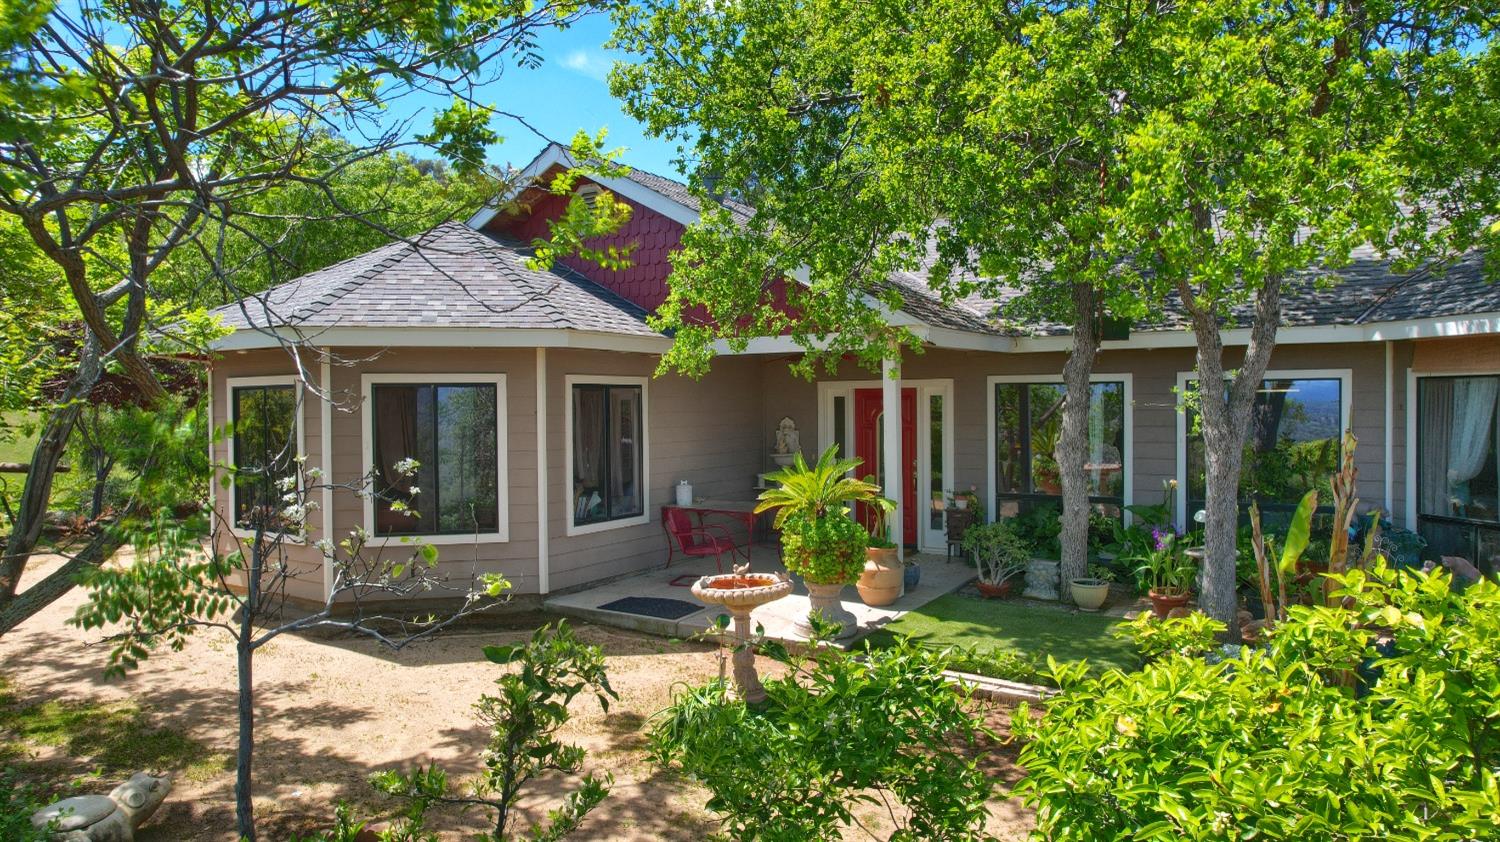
<point>868,411</point>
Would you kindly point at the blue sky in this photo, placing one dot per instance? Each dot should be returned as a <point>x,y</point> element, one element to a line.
<point>567,93</point>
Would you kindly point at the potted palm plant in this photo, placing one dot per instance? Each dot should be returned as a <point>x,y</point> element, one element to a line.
<point>1000,557</point>
<point>1167,572</point>
<point>1090,592</point>
<point>820,541</point>
<point>880,583</point>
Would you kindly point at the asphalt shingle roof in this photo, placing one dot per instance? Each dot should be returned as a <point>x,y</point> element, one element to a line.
<point>451,276</point>
<point>1368,291</point>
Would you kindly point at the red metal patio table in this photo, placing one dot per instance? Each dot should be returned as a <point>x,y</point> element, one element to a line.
<point>742,511</point>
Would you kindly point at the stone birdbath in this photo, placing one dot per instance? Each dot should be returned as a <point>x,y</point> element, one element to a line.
<point>741,592</point>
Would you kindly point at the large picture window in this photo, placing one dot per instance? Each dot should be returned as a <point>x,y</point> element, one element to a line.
<point>264,451</point>
<point>1028,421</point>
<point>1458,476</point>
<point>608,452</point>
<point>1295,430</point>
<point>451,431</point>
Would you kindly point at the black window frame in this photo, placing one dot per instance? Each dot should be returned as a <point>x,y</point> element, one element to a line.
<point>606,478</point>
<point>435,487</point>
<point>1030,498</point>
<point>269,485</point>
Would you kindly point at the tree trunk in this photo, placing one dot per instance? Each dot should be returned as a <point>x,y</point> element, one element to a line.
<point>1073,441</point>
<point>59,581</point>
<point>45,457</point>
<point>244,807</point>
<point>1225,414</point>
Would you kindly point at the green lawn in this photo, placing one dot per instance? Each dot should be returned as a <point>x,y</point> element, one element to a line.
<point>1013,625</point>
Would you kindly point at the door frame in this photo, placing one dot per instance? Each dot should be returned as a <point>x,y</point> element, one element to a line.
<point>928,539</point>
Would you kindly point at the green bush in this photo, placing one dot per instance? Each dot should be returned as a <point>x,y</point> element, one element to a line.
<point>1193,635</point>
<point>999,553</point>
<point>18,801</point>
<point>834,733</point>
<point>825,550</point>
<point>1375,719</point>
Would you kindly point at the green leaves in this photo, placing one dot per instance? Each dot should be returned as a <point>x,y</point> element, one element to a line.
<point>1298,534</point>
<point>1272,744</point>
<point>830,735</point>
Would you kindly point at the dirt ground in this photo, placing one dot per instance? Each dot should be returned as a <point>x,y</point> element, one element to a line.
<point>331,712</point>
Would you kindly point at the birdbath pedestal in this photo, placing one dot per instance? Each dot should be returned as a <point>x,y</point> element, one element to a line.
<point>742,593</point>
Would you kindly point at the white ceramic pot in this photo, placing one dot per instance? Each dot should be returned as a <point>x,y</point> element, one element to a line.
<point>684,493</point>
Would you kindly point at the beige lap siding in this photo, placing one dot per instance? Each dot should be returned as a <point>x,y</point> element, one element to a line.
<point>1155,445</point>
<point>516,557</point>
<point>705,431</point>
<point>305,561</point>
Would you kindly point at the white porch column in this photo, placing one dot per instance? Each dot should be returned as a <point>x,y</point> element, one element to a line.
<point>890,454</point>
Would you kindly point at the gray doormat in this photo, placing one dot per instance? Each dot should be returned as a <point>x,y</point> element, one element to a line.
<point>653,606</point>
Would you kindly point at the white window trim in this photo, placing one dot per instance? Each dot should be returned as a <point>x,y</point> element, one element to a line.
<point>1345,376</point>
<point>571,380</point>
<point>232,383</point>
<point>1412,376</point>
<point>928,540</point>
<point>502,452</point>
<point>1127,457</point>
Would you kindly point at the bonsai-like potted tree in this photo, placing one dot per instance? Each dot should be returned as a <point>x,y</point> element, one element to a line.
<point>820,541</point>
<point>1090,592</point>
<point>880,583</point>
<point>1166,572</point>
<point>1000,557</point>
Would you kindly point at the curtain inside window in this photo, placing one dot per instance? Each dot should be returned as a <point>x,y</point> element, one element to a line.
<point>1458,438</point>
<point>452,433</point>
<point>588,454</point>
<point>624,452</point>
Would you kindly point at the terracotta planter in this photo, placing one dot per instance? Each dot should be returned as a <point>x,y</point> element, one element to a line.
<point>825,599</point>
<point>1000,591</point>
<point>1162,604</point>
<point>1089,594</point>
<point>880,584</point>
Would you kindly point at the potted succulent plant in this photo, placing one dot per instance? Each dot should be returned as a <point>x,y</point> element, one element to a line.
<point>1090,592</point>
<point>1167,572</point>
<point>999,555</point>
<point>880,583</point>
<point>820,541</point>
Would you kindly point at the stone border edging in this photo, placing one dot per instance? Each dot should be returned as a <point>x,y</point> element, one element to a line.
<point>999,689</point>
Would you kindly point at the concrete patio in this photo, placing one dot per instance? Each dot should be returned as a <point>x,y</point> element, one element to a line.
<point>940,575</point>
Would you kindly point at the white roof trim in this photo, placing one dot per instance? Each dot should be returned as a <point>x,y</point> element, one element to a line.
<point>443,337</point>
<point>555,155</point>
<point>1443,326</point>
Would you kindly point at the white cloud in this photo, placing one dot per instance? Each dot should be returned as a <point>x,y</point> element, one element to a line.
<point>590,64</point>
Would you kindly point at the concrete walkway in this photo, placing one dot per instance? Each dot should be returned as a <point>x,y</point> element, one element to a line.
<point>939,576</point>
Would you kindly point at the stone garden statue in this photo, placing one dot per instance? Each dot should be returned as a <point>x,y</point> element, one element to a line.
<point>106,818</point>
<point>788,442</point>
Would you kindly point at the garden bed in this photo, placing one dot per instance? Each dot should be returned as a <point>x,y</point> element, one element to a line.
<point>333,712</point>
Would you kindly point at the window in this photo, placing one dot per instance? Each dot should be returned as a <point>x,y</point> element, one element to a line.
<point>453,432</point>
<point>264,448</point>
<point>1028,421</point>
<point>1458,477</point>
<point>935,462</point>
<point>1295,430</point>
<point>607,453</point>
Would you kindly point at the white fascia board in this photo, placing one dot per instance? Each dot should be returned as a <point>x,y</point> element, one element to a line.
<point>439,337</point>
<point>555,155</point>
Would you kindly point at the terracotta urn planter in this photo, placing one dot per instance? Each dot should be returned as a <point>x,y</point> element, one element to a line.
<point>825,599</point>
<point>1089,594</point>
<point>1162,604</point>
<point>741,593</point>
<point>996,591</point>
<point>880,584</point>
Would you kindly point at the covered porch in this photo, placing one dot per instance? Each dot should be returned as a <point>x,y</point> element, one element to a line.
<point>658,601</point>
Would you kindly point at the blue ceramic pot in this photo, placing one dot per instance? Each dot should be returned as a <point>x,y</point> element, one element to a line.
<point>912,576</point>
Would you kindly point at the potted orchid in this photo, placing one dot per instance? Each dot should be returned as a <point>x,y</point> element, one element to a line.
<point>1166,571</point>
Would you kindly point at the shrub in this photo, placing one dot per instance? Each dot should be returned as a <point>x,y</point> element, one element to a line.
<point>1279,742</point>
<point>833,731</point>
<point>995,662</point>
<point>998,552</point>
<point>1193,635</point>
<point>18,801</point>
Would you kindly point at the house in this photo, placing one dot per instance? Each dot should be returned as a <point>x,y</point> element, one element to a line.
<point>546,446</point>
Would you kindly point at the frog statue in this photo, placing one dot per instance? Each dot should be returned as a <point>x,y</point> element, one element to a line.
<point>105,818</point>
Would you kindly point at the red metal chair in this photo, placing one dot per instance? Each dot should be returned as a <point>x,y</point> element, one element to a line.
<point>705,539</point>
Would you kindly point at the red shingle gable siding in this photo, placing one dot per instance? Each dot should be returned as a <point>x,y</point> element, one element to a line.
<point>644,281</point>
